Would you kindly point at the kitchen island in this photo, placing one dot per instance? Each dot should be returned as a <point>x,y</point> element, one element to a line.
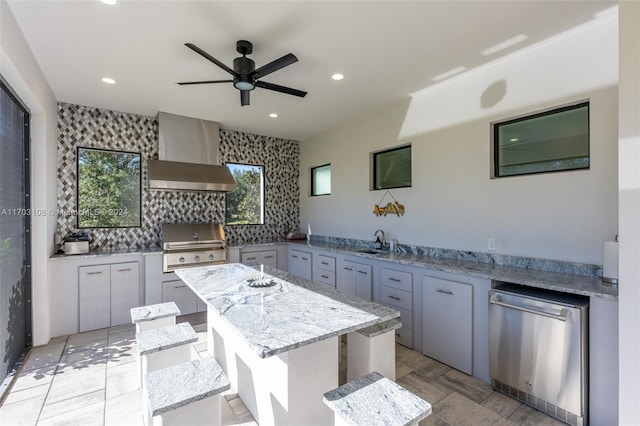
<point>277,336</point>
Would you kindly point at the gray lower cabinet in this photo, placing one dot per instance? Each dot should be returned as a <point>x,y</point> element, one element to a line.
<point>324,269</point>
<point>106,293</point>
<point>300,263</point>
<point>264,257</point>
<point>396,291</point>
<point>355,278</point>
<point>448,322</point>
<point>178,292</point>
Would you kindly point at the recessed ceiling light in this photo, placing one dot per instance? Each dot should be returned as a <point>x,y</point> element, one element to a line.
<point>449,73</point>
<point>273,115</point>
<point>337,76</point>
<point>110,2</point>
<point>108,80</point>
<point>513,140</point>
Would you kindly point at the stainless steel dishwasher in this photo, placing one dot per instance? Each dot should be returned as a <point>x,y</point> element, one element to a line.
<point>538,349</point>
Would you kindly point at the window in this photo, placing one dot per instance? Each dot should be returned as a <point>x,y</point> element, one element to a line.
<point>549,141</point>
<point>391,168</point>
<point>321,180</point>
<point>245,205</point>
<point>108,188</point>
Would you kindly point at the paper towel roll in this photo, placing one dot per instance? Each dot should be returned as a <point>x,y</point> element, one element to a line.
<point>610,264</point>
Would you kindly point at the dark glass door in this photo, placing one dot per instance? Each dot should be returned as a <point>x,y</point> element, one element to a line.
<point>15,224</point>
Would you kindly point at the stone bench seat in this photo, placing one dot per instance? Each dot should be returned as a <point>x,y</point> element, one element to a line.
<point>373,349</point>
<point>375,400</point>
<point>186,394</point>
<point>154,316</point>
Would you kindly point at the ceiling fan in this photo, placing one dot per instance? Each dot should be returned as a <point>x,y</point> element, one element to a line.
<point>245,75</point>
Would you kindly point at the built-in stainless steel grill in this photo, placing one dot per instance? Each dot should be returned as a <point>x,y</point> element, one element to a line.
<point>192,244</point>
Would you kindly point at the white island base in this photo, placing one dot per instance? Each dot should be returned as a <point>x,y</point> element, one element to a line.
<point>284,389</point>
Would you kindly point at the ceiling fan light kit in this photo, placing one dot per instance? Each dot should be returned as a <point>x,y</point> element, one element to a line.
<point>245,75</point>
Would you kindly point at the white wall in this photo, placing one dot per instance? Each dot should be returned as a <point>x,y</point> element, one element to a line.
<point>20,69</point>
<point>453,203</point>
<point>629,187</point>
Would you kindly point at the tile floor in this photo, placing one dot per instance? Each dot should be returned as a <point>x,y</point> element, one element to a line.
<point>91,379</point>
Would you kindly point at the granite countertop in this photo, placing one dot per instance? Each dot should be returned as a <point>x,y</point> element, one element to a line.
<point>291,313</point>
<point>586,285</point>
<point>105,252</point>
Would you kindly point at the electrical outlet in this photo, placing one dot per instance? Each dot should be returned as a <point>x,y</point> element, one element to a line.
<point>491,244</point>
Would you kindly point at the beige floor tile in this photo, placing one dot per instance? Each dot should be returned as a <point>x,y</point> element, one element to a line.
<point>402,370</point>
<point>85,366</point>
<point>37,392</point>
<point>433,420</point>
<point>431,369</point>
<point>68,407</point>
<point>116,368</point>
<point>86,414</point>
<point>528,416</point>
<point>58,340</point>
<point>23,413</point>
<point>410,357</point>
<point>457,381</point>
<point>121,328</point>
<point>458,410</point>
<point>75,385</point>
<point>35,377</point>
<point>42,357</point>
<point>122,383</point>
<point>500,404</point>
<point>125,409</point>
<point>88,338</point>
<point>425,390</point>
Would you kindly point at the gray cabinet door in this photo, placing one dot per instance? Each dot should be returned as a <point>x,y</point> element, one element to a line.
<point>125,291</point>
<point>448,322</point>
<point>94,297</point>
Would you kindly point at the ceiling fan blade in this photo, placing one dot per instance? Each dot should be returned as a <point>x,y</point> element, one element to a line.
<point>211,58</point>
<point>184,83</point>
<point>267,69</point>
<point>282,89</point>
<point>244,97</point>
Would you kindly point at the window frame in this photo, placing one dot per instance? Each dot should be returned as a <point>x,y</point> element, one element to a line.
<point>139,154</point>
<point>495,126</point>
<point>374,169</point>
<point>262,194</point>
<point>313,181</point>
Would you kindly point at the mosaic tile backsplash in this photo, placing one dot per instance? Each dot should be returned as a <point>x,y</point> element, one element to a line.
<point>98,128</point>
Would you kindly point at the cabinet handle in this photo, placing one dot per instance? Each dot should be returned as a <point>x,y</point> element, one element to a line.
<point>324,263</point>
<point>305,258</point>
<point>180,286</point>
<point>326,277</point>
<point>363,272</point>
<point>124,270</point>
<point>94,273</point>
<point>348,269</point>
<point>268,257</point>
<point>394,297</point>
<point>294,256</point>
<point>397,334</point>
<point>251,258</point>
<point>395,280</point>
<point>444,291</point>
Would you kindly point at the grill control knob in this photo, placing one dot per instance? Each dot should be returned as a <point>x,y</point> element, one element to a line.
<point>197,258</point>
<point>210,257</point>
<point>181,260</point>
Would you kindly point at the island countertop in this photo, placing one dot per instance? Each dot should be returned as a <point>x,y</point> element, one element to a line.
<point>291,313</point>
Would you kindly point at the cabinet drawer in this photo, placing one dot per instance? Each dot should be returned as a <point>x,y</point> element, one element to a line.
<point>397,298</point>
<point>404,337</point>
<point>326,262</point>
<point>397,279</point>
<point>251,257</point>
<point>325,277</point>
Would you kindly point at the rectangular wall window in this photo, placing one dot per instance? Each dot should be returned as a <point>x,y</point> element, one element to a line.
<point>108,189</point>
<point>548,141</point>
<point>245,205</point>
<point>321,180</point>
<point>391,168</point>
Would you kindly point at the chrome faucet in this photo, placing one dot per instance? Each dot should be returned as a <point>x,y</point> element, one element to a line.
<point>379,241</point>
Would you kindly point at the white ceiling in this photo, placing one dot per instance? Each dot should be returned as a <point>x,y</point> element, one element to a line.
<point>386,50</point>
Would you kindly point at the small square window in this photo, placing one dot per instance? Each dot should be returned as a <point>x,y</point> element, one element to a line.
<point>548,141</point>
<point>391,168</point>
<point>321,180</point>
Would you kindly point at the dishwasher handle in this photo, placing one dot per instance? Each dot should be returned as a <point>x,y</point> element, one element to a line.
<point>562,316</point>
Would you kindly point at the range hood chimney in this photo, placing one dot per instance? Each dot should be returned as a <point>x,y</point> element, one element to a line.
<point>188,156</point>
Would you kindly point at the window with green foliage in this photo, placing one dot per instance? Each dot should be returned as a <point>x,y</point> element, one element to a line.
<point>108,188</point>
<point>391,168</point>
<point>245,205</point>
<point>321,180</point>
<point>547,141</point>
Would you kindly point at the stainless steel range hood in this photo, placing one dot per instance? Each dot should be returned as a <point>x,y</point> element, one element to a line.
<point>188,156</point>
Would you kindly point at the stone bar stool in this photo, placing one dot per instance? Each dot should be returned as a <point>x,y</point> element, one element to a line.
<point>185,394</point>
<point>375,400</point>
<point>373,349</point>
<point>154,316</point>
<point>164,347</point>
